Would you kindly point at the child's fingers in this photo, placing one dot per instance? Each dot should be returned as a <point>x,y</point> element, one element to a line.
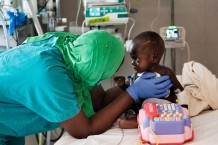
<point>119,78</point>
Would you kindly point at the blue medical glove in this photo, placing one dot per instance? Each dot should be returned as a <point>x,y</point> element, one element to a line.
<point>147,86</point>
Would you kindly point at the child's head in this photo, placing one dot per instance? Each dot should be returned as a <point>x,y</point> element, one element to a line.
<point>146,51</point>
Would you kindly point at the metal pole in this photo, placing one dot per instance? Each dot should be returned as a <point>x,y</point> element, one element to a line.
<point>48,137</point>
<point>172,13</point>
<point>34,17</point>
<point>3,23</point>
<point>173,50</point>
<point>58,10</point>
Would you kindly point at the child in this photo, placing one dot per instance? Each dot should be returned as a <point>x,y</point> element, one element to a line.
<point>146,51</point>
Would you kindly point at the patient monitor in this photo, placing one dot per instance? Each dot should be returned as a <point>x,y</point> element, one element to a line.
<point>105,12</point>
<point>173,36</point>
<point>102,2</point>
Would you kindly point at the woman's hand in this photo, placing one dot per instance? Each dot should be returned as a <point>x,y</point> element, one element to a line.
<point>146,86</point>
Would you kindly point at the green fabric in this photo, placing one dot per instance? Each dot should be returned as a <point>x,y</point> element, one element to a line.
<point>10,140</point>
<point>36,91</point>
<point>90,58</point>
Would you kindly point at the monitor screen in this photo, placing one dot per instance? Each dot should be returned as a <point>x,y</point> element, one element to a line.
<point>172,33</point>
<point>95,12</point>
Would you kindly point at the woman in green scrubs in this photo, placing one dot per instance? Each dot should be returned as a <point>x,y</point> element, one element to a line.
<point>52,80</point>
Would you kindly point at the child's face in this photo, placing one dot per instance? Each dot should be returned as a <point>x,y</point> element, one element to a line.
<point>141,57</point>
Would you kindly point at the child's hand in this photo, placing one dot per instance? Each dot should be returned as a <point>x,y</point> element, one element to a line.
<point>120,80</point>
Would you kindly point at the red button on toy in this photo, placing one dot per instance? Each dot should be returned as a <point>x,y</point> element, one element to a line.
<point>151,110</point>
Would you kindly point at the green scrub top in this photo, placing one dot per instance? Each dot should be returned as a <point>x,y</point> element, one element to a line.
<point>36,92</point>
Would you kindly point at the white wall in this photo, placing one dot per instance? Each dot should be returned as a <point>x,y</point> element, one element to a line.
<point>200,18</point>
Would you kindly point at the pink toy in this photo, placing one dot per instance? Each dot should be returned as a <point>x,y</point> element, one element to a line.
<point>165,124</point>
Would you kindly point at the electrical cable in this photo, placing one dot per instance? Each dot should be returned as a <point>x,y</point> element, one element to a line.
<point>76,29</point>
<point>164,56</point>
<point>158,13</point>
<point>125,29</point>
<point>121,137</point>
<point>16,37</point>
<point>83,26</point>
<point>173,59</point>
<point>77,14</point>
<point>129,6</point>
<point>43,7</point>
<point>188,49</point>
<point>158,139</point>
<point>139,140</point>
<point>130,30</point>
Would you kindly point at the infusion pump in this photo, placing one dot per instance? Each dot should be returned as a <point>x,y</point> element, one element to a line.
<point>105,12</point>
<point>106,15</point>
<point>173,36</point>
<point>102,2</point>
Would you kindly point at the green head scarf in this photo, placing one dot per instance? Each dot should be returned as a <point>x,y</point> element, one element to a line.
<point>90,58</point>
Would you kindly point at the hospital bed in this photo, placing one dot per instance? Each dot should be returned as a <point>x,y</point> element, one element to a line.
<point>202,90</point>
<point>205,132</point>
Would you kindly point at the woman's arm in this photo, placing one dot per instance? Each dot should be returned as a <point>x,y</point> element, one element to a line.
<point>144,87</point>
<point>80,126</point>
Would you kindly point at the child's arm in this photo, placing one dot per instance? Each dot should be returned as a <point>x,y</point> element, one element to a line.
<point>167,71</point>
<point>176,83</point>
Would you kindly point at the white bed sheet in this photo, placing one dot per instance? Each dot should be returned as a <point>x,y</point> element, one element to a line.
<point>205,131</point>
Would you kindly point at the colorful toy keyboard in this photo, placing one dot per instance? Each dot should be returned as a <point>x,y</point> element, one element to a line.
<point>165,124</point>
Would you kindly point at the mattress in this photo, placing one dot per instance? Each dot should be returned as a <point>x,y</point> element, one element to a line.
<point>205,132</point>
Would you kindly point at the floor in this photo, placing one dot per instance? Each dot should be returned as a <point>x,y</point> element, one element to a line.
<point>31,140</point>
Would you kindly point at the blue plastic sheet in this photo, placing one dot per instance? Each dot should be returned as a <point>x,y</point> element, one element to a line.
<point>16,19</point>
